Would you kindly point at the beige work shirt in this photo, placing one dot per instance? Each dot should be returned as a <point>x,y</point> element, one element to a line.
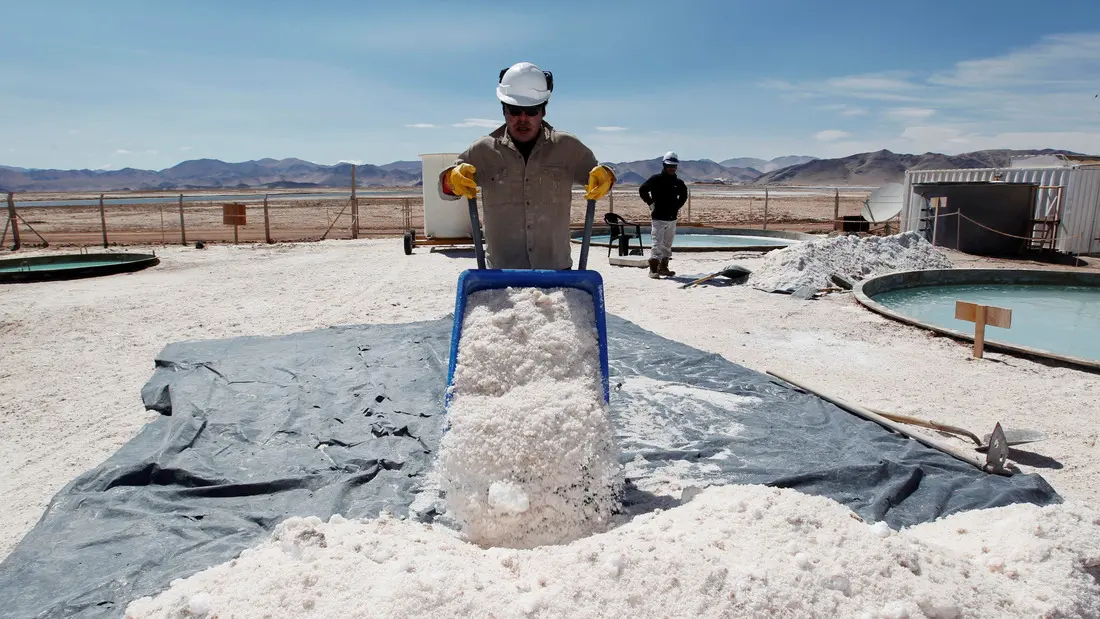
<point>526,204</point>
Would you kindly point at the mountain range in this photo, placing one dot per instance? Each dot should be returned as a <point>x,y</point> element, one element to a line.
<point>864,169</point>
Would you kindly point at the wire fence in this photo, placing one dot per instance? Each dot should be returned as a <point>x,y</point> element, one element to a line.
<point>188,219</point>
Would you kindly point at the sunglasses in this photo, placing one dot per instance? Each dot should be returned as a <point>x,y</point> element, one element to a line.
<point>516,110</point>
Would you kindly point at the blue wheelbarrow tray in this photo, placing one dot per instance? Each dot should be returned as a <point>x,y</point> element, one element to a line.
<point>474,280</point>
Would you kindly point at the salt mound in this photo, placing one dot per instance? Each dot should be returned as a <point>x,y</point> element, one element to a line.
<point>732,551</point>
<point>812,262</point>
<point>529,457</point>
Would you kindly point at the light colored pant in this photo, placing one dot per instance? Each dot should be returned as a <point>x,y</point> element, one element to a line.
<point>662,233</point>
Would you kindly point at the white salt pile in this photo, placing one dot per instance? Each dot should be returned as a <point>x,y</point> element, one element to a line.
<point>732,551</point>
<point>529,457</point>
<point>812,262</point>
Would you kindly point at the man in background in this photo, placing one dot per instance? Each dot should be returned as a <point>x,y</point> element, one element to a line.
<point>666,194</point>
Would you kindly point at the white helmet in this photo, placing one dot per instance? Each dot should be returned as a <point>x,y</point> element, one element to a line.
<point>524,84</point>
<point>671,159</point>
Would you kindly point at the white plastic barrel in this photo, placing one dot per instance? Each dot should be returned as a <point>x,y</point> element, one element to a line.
<point>442,218</point>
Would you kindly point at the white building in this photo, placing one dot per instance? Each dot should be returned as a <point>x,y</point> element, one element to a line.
<point>1043,202</point>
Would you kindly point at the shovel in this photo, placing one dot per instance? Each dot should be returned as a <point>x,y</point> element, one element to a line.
<point>482,278</point>
<point>1011,437</point>
<point>732,272</point>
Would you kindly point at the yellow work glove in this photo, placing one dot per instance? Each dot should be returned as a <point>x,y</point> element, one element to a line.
<point>461,180</point>
<point>600,180</point>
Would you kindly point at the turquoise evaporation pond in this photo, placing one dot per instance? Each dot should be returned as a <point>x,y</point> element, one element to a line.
<point>1059,319</point>
<point>58,266</point>
<point>707,240</point>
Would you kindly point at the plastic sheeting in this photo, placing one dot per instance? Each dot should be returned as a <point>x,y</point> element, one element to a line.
<point>345,421</point>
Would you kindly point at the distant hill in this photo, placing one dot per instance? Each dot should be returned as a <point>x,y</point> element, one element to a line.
<point>875,168</point>
<point>214,174</point>
<point>764,165</point>
<point>689,171</point>
<point>881,167</point>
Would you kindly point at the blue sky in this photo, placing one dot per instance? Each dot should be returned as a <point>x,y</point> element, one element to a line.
<point>113,84</point>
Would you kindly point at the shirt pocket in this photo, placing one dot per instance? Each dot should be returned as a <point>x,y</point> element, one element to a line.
<point>558,180</point>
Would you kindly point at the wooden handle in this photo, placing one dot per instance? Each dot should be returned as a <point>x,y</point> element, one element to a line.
<point>942,427</point>
<point>966,456</point>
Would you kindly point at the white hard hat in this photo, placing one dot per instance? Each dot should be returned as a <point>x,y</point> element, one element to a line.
<point>671,159</point>
<point>524,84</point>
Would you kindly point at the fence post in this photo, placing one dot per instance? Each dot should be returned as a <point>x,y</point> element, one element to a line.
<point>354,207</point>
<point>14,218</point>
<point>836,208</point>
<point>689,204</point>
<point>183,230</point>
<point>103,220</point>
<point>765,208</point>
<point>267,222</point>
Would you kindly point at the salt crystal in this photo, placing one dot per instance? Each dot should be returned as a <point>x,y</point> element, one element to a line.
<point>200,604</point>
<point>529,457</point>
<point>810,263</point>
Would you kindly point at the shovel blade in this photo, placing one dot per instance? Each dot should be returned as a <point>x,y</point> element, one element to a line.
<point>1017,437</point>
<point>997,454</point>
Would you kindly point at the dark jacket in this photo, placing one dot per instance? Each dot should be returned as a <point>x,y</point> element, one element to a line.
<point>665,194</point>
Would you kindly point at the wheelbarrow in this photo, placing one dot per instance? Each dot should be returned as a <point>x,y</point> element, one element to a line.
<point>482,278</point>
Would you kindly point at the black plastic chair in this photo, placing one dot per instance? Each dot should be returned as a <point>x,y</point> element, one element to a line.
<point>618,226</point>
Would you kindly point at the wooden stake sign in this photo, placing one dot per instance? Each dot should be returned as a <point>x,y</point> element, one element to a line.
<point>982,315</point>
<point>233,214</point>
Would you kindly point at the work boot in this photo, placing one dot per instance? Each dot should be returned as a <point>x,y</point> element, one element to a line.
<point>663,270</point>
<point>653,268</point>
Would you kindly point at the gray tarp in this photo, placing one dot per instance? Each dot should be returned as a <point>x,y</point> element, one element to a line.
<point>345,420</point>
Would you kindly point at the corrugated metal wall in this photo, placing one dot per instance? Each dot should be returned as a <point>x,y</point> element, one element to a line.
<point>1080,199</point>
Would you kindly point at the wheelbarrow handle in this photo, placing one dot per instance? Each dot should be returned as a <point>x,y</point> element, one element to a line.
<point>475,228</point>
<point>479,251</point>
<point>589,215</point>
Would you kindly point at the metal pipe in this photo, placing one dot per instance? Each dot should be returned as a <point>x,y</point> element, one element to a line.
<point>589,215</point>
<point>475,228</point>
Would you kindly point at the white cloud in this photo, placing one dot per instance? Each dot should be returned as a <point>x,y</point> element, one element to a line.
<point>830,135</point>
<point>351,161</point>
<point>909,113</point>
<point>421,126</point>
<point>934,134</point>
<point>1065,59</point>
<point>610,128</point>
<point>185,148</point>
<point>122,151</point>
<point>479,122</point>
<point>106,166</point>
<point>846,110</point>
<point>151,151</point>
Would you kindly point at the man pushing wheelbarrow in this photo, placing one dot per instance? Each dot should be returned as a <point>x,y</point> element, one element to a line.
<point>526,170</point>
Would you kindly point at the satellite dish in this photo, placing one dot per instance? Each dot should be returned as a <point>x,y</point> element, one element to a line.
<point>884,203</point>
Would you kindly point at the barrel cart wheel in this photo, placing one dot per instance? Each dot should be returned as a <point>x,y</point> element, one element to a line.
<point>410,242</point>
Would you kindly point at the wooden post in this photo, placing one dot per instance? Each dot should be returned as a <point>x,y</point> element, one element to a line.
<point>183,230</point>
<point>981,315</point>
<point>765,208</point>
<point>354,207</point>
<point>689,204</point>
<point>14,218</point>
<point>163,241</point>
<point>103,220</point>
<point>267,222</point>
<point>611,201</point>
<point>836,207</point>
